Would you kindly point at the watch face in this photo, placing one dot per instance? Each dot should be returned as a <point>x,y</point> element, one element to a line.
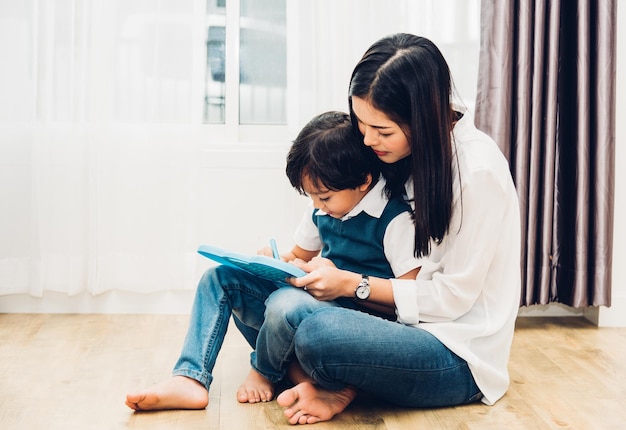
<point>363,292</point>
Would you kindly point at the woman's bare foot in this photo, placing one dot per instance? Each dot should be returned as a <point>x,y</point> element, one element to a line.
<point>309,404</point>
<point>256,388</point>
<point>179,392</point>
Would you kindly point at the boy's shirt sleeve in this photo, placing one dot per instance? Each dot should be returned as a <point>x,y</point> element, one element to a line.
<point>307,235</point>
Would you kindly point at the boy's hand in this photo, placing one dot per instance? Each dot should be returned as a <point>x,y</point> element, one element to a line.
<point>266,250</point>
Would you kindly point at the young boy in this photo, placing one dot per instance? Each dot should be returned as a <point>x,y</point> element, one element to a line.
<point>350,222</point>
<point>353,224</point>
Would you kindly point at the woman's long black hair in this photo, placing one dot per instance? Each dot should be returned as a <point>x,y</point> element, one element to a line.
<point>406,77</point>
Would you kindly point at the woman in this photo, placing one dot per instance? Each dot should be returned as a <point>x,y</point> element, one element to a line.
<point>451,341</point>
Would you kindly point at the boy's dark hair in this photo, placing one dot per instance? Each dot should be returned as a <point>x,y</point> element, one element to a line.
<point>331,154</point>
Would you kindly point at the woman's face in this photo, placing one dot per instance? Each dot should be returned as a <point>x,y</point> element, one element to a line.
<point>384,136</point>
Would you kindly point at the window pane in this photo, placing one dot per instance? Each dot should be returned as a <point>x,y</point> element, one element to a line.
<point>263,62</point>
<point>215,89</point>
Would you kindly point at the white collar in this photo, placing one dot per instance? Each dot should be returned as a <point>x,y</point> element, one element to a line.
<point>372,203</point>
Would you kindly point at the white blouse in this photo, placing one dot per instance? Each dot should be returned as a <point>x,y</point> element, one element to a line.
<point>467,293</point>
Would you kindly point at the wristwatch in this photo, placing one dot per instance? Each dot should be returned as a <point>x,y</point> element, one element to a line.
<point>362,291</point>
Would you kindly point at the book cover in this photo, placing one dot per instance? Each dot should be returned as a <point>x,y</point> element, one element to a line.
<point>264,267</point>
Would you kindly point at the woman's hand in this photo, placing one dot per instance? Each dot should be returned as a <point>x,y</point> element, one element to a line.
<point>313,264</point>
<point>325,282</point>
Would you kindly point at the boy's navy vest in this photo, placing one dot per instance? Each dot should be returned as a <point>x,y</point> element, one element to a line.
<point>357,243</point>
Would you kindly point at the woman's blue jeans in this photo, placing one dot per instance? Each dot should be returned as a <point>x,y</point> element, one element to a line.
<point>335,344</point>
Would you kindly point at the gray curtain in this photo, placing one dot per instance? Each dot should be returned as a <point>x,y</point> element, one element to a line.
<point>546,94</point>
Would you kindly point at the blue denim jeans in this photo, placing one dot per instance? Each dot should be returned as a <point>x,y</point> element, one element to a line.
<point>223,291</point>
<point>339,346</point>
<point>285,310</point>
<point>336,344</point>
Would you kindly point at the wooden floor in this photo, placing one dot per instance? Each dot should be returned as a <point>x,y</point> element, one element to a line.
<point>72,371</point>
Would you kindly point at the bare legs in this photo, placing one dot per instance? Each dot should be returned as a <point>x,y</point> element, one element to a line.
<point>179,392</point>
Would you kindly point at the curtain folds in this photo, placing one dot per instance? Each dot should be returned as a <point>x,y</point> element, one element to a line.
<point>546,94</point>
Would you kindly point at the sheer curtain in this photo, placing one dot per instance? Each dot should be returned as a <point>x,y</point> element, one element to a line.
<point>547,95</point>
<point>109,180</point>
<point>98,159</point>
<point>331,37</point>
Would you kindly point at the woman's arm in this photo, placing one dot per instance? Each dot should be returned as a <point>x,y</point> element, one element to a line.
<point>328,283</point>
<point>381,293</point>
<point>482,236</point>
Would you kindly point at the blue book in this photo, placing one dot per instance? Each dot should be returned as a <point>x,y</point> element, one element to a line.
<point>264,267</point>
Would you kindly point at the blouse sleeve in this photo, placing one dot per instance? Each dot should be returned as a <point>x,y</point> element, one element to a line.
<point>398,250</point>
<point>451,278</point>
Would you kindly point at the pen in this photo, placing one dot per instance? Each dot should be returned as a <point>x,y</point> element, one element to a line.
<point>274,249</point>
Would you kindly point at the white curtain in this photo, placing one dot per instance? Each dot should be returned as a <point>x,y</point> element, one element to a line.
<point>332,35</point>
<point>108,179</point>
<point>98,161</point>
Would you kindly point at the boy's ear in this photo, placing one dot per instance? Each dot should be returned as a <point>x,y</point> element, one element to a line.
<point>366,185</point>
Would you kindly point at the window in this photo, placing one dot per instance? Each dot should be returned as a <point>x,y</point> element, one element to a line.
<point>248,36</point>
<point>247,71</point>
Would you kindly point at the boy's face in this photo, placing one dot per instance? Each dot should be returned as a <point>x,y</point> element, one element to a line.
<point>335,203</point>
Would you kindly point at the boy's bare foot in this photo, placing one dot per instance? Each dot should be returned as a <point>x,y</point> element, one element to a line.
<point>256,388</point>
<point>309,404</point>
<point>179,392</point>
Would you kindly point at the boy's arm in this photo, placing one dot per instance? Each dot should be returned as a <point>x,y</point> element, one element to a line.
<point>300,253</point>
<point>295,253</point>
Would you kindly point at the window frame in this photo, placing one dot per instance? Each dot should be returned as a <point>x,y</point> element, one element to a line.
<point>231,131</point>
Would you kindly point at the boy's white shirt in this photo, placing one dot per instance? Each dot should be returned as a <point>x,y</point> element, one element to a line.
<point>398,250</point>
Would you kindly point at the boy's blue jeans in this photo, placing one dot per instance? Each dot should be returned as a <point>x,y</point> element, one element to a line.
<point>337,346</point>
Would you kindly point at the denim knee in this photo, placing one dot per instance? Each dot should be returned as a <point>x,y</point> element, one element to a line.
<point>291,305</point>
<point>281,301</point>
<point>321,333</point>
